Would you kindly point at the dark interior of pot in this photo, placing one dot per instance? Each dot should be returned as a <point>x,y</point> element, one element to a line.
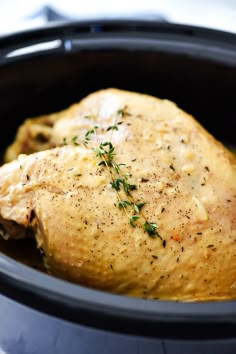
<point>34,86</point>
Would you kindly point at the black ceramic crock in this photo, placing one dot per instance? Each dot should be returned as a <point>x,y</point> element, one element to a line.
<point>45,70</point>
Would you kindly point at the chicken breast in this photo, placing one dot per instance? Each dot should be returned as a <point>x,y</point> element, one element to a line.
<point>136,199</point>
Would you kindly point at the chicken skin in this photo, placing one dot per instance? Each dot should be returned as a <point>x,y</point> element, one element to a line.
<point>131,195</point>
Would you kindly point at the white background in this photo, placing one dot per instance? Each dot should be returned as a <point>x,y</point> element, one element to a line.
<point>217,14</point>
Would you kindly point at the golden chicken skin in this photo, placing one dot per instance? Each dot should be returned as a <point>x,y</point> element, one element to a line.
<point>131,195</point>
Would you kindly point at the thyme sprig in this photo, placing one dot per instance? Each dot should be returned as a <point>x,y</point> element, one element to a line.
<point>105,151</point>
<point>114,127</point>
<point>87,135</point>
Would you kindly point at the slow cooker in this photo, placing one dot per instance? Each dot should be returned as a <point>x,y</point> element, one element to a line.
<point>45,70</point>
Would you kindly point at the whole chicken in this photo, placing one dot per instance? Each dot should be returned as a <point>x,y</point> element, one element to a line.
<point>131,196</point>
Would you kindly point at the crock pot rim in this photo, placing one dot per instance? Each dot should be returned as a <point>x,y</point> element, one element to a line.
<point>88,306</point>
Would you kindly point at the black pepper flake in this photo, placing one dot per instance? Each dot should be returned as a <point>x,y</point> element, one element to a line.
<point>144,180</point>
<point>162,210</point>
<point>199,233</point>
<point>27,177</point>
<point>164,243</point>
<point>228,200</point>
<point>207,168</point>
<point>172,167</point>
<point>153,256</point>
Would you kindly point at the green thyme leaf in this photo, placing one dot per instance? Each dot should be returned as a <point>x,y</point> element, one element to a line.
<point>112,127</point>
<point>150,228</point>
<point>88,133</point>
<point>133,219</point>
<point>128,187</point>
<point>126,175</point>
<point>106,143</point>
<point>123,204</point>
<point>102,163</point>
<point>138,207</point>
<point>89,116</point>
<point>116,184</point>
<point>99,151</point>
<point>131,187</point>
<point>74,140</point>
